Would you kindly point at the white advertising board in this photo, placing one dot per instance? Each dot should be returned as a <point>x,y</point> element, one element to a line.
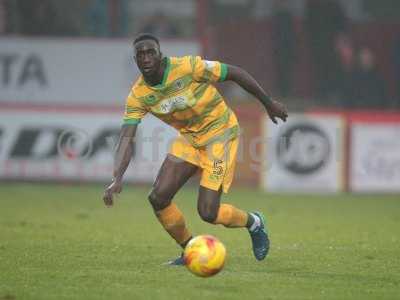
<point>72,71</point>
<point>76,145</point>
<point>375,157</point>
<point>304,155</point>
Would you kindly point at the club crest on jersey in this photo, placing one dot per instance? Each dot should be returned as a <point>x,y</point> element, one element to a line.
<point>150,99</point>
<point>179,84</point>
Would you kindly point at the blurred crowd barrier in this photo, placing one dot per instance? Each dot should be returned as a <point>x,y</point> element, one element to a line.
<point>64,78</point>
<point>331,53</point>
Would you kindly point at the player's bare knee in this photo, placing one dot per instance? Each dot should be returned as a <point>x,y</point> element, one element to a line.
<point>158,200</point>
<point>208,215</point>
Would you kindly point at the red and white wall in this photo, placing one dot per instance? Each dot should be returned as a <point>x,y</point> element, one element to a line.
<point>61,108</point>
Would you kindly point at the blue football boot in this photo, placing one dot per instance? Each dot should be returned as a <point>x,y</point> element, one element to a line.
<point>259,238</point>
<point>180,261</point>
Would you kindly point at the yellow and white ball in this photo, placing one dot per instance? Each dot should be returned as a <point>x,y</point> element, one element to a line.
<point>204,255</point>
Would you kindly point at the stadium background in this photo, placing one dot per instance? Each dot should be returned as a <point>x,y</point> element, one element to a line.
<point>66,68</point>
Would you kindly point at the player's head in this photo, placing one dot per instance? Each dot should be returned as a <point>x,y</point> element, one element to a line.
<point>148,55</point>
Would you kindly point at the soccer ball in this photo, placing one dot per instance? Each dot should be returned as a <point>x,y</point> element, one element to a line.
<point>204,255</point>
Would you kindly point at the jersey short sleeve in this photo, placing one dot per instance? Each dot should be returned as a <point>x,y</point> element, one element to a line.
<point>207,70</point>
<point>134,110</point>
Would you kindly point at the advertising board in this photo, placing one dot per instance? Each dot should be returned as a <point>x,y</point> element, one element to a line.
<point>304,155</point>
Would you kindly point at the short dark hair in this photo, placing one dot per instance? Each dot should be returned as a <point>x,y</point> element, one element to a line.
<point>146,36</point>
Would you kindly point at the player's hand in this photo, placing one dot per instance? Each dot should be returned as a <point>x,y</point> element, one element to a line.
<point>114,188</point>
<point>276,110</point>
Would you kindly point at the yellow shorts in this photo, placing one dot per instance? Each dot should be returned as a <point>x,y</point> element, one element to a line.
<point>217,161</point>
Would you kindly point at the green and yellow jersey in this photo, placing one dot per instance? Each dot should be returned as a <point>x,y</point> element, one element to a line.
<point>186,100</point>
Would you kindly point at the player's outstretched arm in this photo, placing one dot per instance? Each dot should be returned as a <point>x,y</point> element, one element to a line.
<point>274,108</point>
<point>123,155</point>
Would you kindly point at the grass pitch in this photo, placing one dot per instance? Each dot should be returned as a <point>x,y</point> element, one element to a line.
<point>60,242</point>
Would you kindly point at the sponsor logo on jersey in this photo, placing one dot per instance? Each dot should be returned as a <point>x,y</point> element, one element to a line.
<point>179,84</point>
<point>172,104</point>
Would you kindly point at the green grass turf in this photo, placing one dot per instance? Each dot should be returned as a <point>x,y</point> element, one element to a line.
<point>60,242</point>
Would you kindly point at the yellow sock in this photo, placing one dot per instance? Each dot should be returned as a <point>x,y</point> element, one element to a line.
<point>230,216</point>
<point>171,218</point>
